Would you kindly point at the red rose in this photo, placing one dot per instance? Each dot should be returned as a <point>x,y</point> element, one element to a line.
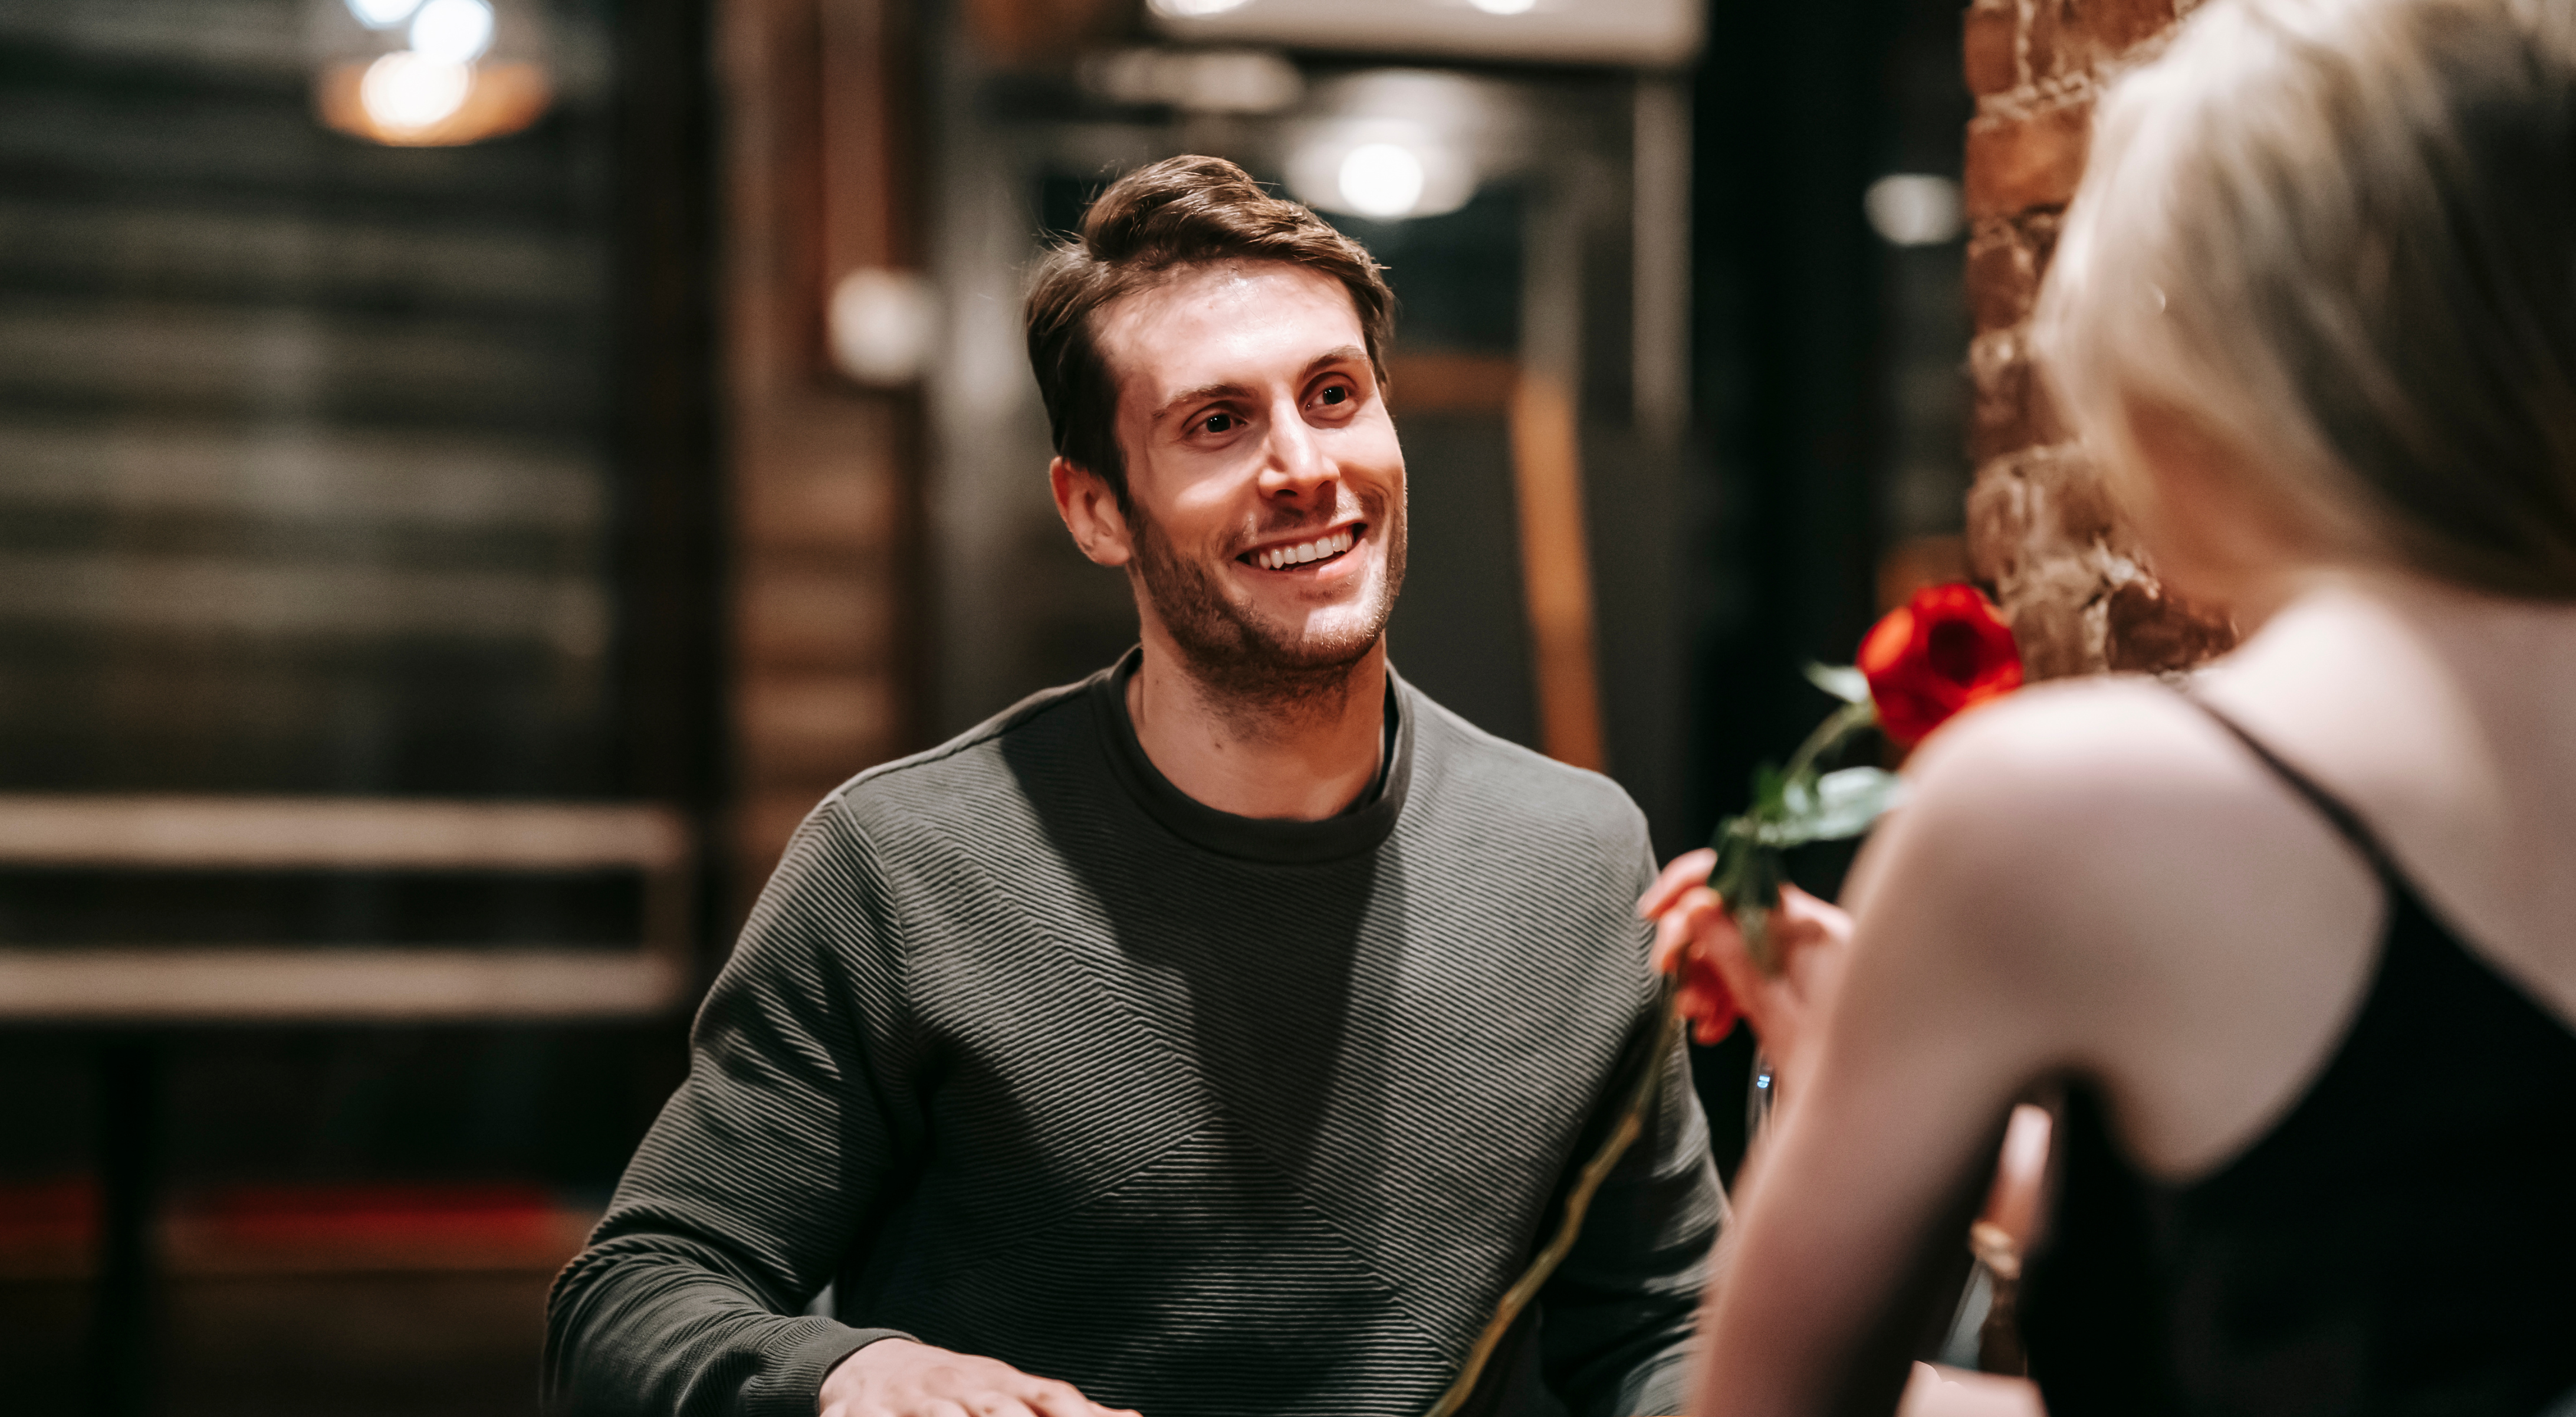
<point>1943,651</point>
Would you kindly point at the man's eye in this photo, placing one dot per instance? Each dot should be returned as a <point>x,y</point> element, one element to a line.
<point>1337,394</point>
<point>1219,423</point>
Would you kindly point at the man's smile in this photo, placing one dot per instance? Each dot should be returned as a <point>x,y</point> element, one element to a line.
<point>1295,554</point>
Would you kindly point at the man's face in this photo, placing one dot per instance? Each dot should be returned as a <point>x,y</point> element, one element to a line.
<point>1265,485</point>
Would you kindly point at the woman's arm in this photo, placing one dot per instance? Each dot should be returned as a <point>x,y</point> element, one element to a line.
<point>1906,1052</point>
<point>2087,880</point>
<point>1721,986</point>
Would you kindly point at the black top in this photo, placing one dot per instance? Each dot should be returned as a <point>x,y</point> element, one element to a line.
<point>1360,827</point>
<point>2402,1244</point>
<point>1028,1054</point>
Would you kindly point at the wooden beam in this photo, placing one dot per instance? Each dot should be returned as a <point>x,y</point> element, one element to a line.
<point>349,982</point>
<point>337,833</point>
<point>1556,570</point>
<point>203,985</point>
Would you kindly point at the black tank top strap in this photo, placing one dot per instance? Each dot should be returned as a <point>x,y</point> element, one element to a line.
<point>2343,819</point>
<point>2395,1244</point>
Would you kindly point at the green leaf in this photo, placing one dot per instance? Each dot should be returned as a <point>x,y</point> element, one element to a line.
<point>1768,785</point>
<point>1849,802</point>
<point>1798,798</point>
<point>1830,808</point>
<point>1780,836</point>
<point>1840,680</point>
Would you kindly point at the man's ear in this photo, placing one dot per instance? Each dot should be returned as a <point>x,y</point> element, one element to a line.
<point>1090,512</point>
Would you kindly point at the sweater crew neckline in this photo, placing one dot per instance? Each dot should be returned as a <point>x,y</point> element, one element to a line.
<point>1278,840</point>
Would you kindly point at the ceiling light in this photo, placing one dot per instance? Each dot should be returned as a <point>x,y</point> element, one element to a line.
<point>1390,143</point>
<point>404,91</point>
<point>1381,180</point>
<point>1505,7</point>
<point>452,31</point>
<point>1187,9</point>
<point>382,14</point>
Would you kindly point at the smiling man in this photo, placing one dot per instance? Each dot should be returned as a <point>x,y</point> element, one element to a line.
<point>1212,1036</point>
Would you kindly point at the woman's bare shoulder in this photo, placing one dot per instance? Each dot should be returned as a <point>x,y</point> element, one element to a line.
<point>2104,879</point>
<point>2113,813</point>
<point>2085,755</point>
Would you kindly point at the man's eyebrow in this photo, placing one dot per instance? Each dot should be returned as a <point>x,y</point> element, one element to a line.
<point>1346,354</point>
<point>1190,396</point>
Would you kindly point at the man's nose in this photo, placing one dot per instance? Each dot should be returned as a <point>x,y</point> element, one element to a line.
<point>1296,466</point>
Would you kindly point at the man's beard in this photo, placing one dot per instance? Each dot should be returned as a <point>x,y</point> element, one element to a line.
<point>1245,658</point>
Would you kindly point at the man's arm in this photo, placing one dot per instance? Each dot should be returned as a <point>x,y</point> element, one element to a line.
<point>766,1168</point>
<point>1616,1319</point>
<point>755,1181</point>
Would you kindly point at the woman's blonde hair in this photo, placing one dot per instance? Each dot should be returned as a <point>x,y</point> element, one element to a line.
<point>2341,236</point>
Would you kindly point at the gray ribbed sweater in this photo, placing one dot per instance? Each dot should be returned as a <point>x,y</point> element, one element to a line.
<point>1034,1056</point>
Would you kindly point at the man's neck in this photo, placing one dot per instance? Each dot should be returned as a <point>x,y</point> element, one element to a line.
<point>1302,757</point>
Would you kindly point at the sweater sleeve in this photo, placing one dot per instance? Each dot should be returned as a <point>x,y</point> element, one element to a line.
<point>764,1169</point>
<point>1617,1317</point>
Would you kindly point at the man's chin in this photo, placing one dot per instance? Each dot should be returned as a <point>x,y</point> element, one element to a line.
<point>1254,640</point>
<point>1269,659</point>
<point>1273,650</point>
<point>1303,633</point>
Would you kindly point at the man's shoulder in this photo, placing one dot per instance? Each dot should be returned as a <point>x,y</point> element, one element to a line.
<point>969,774</point>
<point>1509,787</point>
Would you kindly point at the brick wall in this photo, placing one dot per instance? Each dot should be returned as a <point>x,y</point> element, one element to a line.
<point>2042,536</point>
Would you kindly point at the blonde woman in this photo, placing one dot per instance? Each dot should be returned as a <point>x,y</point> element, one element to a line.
<point>2299,938</point>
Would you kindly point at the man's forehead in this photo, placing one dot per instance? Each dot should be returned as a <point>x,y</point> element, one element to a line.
<point>1217,283</point>
<point>1163,337</point>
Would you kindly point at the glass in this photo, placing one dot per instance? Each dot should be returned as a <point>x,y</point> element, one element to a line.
<point>1761,1095</point>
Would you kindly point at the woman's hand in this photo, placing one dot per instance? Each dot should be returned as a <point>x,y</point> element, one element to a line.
<point>1720,983</point>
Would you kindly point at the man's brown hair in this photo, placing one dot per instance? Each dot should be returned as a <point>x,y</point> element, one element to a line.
<point>1151,223</point>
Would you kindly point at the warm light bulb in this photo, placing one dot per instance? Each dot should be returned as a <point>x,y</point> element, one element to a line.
<point>1914,209</point>
<point>382,14</point>
<point>404,92</point>
<point>883,325</point>
<point>452,31</point>
<point>1381,180</point>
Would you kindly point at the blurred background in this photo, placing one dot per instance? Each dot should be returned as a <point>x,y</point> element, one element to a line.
<point>474,472</point>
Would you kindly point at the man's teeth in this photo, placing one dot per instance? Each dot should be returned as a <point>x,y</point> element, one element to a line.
<point>1304,551</point>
